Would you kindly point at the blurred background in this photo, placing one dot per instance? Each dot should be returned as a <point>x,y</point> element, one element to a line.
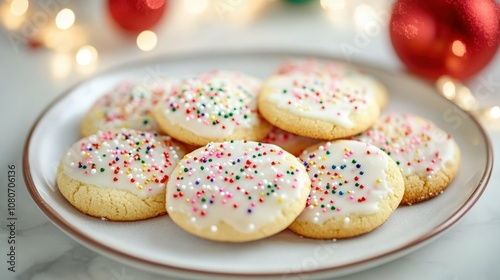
<point>55,43</point>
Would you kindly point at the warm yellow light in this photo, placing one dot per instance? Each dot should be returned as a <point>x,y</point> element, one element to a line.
<point>449,90</point>
<point>19,7</point>
<point>147,40</point>
<point>458,48</point>
<point>195,6</point>
<point>10,21</point>
<point>495,112</point>
<point>363,15</point>
<point>86,55</point>
<point>465,99</point>
<point>65,19</point>
<point>332,4</point>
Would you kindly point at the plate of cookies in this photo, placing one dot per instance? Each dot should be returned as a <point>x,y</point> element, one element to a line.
<point>244,165</point>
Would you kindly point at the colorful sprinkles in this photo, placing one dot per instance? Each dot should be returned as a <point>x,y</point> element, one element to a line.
<point>346,177</point>
<point>243,183</point>
<point>129,105</point>
<point>416,145</point>
<point>320,97</point>
<point>140,162</point>
<point>214,103</point>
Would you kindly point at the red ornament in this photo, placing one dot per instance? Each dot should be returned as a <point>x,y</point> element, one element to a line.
<point>136,15</point>
<point>441,37</point>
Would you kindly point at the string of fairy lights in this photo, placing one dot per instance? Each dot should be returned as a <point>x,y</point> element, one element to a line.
<point>76,48</point>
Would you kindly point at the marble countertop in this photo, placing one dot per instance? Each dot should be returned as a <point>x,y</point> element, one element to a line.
<point>32,78</point>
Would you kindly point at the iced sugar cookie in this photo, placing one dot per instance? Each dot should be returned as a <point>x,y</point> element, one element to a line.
<point>213,106</point>
<point>292,143</point>
<point>119,175</point>
<point>338,70</point>
<point>317,106</point>
<point>427,156</point>
<point>127,105</point>
<point>355,187</point>
<point>237,191</point>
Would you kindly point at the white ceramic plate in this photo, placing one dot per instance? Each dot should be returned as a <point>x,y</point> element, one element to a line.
<point>159,245</point>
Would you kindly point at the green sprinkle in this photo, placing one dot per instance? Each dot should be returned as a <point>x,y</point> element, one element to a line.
<point>186,169</point>
<point>102,169</point>
<point>202,167</point>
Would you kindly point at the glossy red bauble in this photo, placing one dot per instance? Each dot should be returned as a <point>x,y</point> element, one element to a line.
<point>441,37</point>
<point>136,15</point>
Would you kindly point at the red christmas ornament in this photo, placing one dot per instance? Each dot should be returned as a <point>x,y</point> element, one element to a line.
<point>136,15</point>
<point>441,37</point>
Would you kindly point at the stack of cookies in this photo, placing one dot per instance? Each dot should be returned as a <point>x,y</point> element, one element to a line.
<point>230,158</point>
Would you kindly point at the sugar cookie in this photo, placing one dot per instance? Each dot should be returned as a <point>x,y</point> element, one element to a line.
<point>213,106</point>
<point>317,106</point>
<point>127,105</point>
<point>119,175</point>
<point>339,70</point>
<point>237,191</point>
<point>355,188</point>
<point>427,156</point>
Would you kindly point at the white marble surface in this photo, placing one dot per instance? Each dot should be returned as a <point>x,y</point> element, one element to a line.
<point>29,82</point>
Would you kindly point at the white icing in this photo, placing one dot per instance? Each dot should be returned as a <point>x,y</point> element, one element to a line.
<point>138,162</point>
<point>129,105</point>
<point>224,182</point>
<point>214,104</point>
<point>335,168</point>
<point>319,97</point>
<point>417,145</point>
<point>333,69</point>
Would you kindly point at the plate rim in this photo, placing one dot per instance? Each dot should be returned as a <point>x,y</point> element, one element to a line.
<point>102,248</point>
